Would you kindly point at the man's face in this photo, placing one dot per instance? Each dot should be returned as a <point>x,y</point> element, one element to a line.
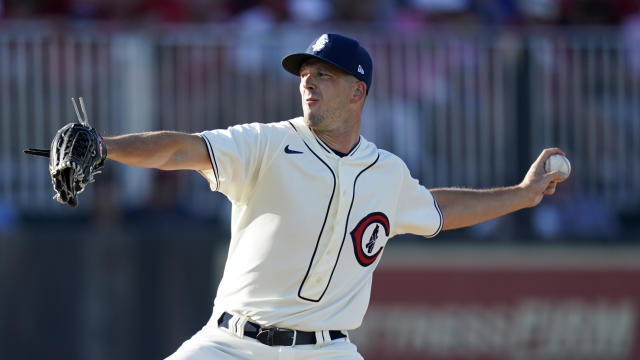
<point>325,92</point>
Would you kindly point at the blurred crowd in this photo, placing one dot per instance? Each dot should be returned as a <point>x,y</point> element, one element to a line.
<point>384,12</point>
<point>570,214</point>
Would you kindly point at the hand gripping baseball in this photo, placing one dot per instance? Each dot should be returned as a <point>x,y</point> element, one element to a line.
<point>76,155</point>
<point>538,181</point>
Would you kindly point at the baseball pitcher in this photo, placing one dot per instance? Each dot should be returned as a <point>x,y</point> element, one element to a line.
<point>314,205</point>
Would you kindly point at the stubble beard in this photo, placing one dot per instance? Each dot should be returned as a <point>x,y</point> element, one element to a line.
<point>324,119</point>
<point>314,120</point>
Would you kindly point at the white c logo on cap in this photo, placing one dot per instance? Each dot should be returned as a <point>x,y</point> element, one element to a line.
<point>320,43</point>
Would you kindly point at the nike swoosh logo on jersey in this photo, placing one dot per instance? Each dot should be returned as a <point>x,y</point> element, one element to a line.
<point>289,151</point>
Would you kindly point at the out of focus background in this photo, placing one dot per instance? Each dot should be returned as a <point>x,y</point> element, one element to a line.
<point>467,92</point>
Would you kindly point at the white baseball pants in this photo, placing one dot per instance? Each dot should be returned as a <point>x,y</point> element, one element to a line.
<point>214,343</point>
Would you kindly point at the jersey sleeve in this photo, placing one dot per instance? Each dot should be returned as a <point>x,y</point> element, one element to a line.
<point>236,154</point>
<point>417,211</point>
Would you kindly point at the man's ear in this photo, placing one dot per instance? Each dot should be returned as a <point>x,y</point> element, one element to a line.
<point>359,91</point>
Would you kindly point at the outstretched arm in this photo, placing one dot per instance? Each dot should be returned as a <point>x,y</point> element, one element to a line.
<point>164,150</point>
<point>466,207</point>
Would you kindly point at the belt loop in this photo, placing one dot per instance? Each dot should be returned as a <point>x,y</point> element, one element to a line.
<point>295,336</point>
<point>322,337</point>
<point>236,325</point>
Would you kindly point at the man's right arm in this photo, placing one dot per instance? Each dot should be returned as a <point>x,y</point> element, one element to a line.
<point>164,150</point>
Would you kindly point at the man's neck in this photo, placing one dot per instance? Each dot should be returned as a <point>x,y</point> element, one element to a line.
<point>341,140</point>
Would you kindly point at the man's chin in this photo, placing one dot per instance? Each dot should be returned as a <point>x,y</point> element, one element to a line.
<point>313,120</point>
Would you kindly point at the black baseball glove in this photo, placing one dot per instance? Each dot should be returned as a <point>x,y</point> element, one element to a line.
<point>76,155</point>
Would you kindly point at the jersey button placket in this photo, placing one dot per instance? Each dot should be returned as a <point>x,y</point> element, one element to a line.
<point>343,186</point>
<point>343,206</point>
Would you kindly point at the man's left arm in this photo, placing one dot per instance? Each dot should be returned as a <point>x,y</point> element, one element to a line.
<point>466,207</point>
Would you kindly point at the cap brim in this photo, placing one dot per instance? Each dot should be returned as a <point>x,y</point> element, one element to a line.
<point>293,62</point>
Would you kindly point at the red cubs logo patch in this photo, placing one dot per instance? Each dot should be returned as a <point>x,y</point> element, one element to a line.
<point>365,236</point>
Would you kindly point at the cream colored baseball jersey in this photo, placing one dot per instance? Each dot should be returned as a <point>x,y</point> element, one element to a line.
<point>308,227</point>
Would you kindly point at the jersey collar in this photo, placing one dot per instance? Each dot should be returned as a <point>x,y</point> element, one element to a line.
<point>329,149</point>
<point>362,151</point>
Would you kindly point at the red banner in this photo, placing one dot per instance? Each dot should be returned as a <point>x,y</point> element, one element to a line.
<point>503,312</point>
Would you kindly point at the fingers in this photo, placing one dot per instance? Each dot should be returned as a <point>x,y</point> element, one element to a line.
<point>552,179</point>
<point>546,153</point>
<point>555,176</point>
<point>551,189</point>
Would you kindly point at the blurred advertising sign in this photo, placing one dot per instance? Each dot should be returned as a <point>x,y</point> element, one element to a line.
<point>508,309</point>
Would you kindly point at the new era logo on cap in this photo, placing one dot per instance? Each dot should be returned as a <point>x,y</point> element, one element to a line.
<point>338,50</point>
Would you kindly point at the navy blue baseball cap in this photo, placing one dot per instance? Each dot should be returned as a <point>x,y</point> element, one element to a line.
<point>340,51</point>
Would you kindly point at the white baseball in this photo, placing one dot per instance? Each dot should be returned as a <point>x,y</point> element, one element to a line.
<point>559,163</point>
